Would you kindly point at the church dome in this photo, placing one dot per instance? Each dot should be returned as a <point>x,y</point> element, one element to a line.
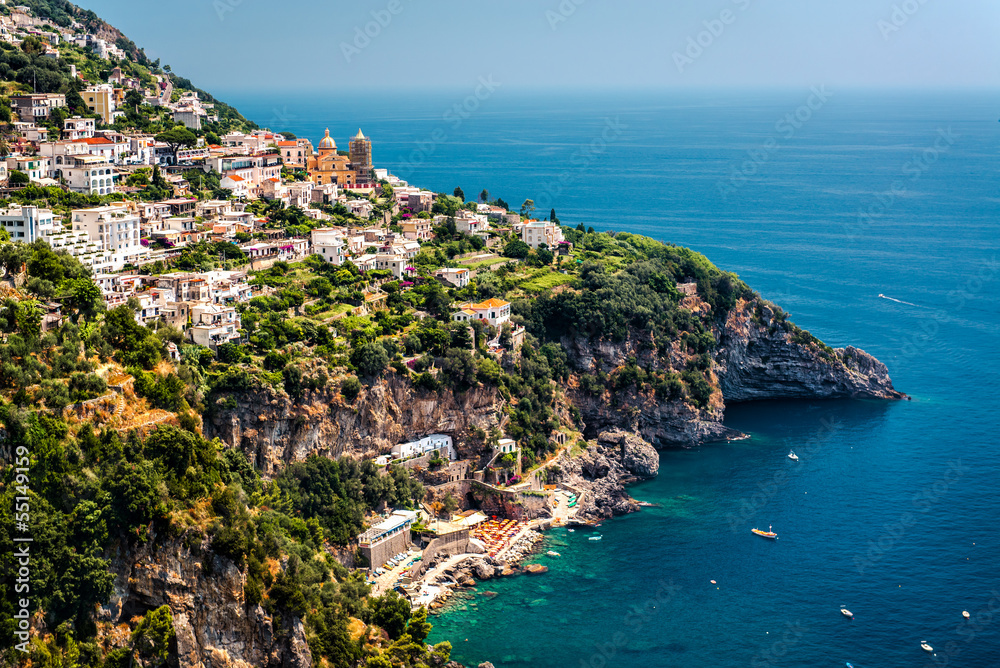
<point>327,141</point>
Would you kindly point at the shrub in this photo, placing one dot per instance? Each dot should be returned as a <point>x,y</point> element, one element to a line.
<point>350,388</point>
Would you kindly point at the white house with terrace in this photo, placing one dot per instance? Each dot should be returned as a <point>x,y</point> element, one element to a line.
<point>329,244</point>
<point>426,445</point>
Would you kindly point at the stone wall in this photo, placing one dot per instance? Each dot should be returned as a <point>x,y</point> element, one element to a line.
<point>448,546</point>
<point>382,552</point>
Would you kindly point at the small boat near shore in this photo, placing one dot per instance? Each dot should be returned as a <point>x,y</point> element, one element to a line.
<point>847,613</point>
<point>765,534</point>
<point>553,553</point>
<point>595,538</point>
<point>924,646</point>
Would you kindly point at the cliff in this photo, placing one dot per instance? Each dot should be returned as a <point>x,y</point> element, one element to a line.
<point>759,358</point>
<point>616,459</point>
<point>214,625</point>
<point>272,429</point>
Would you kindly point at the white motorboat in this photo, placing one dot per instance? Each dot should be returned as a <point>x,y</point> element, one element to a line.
<point>793,456</point>
<point>965,613</point>
<point>924,646</point>
<point>847,613</point>
<point>595,538</point>
<point>553,553</point>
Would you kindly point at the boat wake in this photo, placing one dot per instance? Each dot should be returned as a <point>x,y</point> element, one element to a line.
<point>900,301</point>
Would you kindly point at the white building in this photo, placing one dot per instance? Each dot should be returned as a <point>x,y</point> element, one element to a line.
<point>28,223</point>
<point>458,278</point>
<point>471,223</point>
<point>237,184</point>
<point>88,174</point>
<point>393,263</point>
<point>115,228</point>
<point>494,311</point>
<point>36,167</point>
<point>83,248</point>
<point>79,128</point>
<point>213,324</point>
<point>329,245</point>
<point>443,444</point>
<point>539,232</point>
<point>506,446</point>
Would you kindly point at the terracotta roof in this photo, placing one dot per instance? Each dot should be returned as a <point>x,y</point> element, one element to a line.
<point>236,178</point>
<point>93,140</point>
<point>287,143</point>
<point>490,303</point>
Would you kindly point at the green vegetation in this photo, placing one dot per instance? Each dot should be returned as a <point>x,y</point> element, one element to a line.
<point>319,335</point>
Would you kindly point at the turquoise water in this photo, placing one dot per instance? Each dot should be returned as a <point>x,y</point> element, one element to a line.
<point>892,509</point>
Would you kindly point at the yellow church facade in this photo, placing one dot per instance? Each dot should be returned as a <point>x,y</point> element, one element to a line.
<point>327,166</point>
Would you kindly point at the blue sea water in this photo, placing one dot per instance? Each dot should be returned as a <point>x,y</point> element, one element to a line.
<point>892,510</point>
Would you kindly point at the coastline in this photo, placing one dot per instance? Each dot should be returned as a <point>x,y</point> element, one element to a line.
<point>443,582</point>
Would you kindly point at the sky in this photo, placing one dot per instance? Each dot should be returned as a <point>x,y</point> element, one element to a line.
<point>326,45</point>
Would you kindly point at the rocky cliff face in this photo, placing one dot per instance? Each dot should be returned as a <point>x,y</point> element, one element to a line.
<point>273,429</point>
<point>758,359</point>
<point>604,470</point>
<point>214,625</point>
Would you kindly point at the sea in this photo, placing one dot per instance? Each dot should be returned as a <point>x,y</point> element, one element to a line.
<point>872,217</point>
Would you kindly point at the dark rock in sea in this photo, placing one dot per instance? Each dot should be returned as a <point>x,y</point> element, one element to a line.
<point>761,356</point>
<point>637,456</point>
<point>483,570</point>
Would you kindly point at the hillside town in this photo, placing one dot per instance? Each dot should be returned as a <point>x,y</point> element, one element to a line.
<point>186,227</point>
<point>131,242</point>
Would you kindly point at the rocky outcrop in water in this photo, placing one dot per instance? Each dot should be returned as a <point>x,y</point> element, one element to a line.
<point>758,358</point>
<point>603,472</point>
